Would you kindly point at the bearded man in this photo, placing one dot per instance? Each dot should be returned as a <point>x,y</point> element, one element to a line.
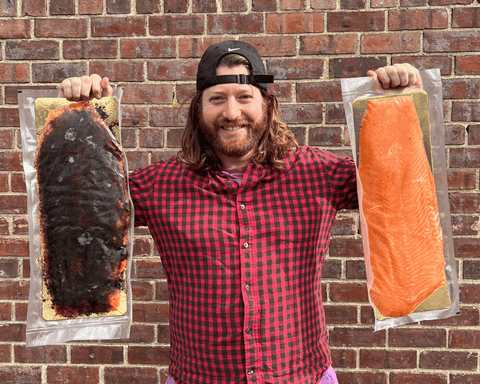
<point>241,218</point>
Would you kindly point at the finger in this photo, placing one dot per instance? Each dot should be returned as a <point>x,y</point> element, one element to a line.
<point>65,89</point>
<point>107,89</point>
<point>403,72</point>
<point>85,88</point>
<point>383,77</point>
<point>76,88</point>
<point>96,86</point>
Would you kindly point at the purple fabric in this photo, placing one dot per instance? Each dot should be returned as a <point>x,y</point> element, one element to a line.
<point>329,377</point>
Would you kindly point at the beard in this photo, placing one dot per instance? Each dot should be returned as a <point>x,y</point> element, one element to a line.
<point>234,147</point>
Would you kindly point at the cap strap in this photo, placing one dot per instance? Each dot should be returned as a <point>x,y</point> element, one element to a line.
<point>239,79</point>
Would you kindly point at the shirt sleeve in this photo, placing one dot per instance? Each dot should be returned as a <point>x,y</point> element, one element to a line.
<point>142,182</point>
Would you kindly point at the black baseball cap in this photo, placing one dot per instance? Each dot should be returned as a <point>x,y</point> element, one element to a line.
<point>207,68</point>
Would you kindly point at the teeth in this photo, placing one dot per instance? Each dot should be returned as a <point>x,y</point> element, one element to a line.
<point>231,128</point>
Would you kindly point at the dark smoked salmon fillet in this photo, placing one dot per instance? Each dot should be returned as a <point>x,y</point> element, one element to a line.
<point>400,207</point>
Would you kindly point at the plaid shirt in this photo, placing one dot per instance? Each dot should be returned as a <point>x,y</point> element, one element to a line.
<point>243,264</point>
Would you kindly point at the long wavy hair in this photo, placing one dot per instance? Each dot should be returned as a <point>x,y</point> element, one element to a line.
<point>275,144</point>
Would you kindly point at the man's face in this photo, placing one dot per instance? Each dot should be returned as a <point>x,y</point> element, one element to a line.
<point>233,117</point>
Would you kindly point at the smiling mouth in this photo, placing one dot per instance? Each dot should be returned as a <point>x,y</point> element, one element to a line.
<point>231,128</point>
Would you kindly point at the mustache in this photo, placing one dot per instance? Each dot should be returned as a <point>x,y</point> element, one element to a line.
<point>224,123</point>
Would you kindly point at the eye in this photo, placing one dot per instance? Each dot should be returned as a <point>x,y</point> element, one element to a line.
<point>215,99</point>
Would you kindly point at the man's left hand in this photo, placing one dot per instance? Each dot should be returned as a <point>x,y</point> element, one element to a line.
<point>396,78</point>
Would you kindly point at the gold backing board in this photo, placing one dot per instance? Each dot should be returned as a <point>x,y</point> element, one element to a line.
<point>110,106</point>
<point>440,298</point>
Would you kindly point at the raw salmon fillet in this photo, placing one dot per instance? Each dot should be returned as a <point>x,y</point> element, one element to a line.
<point>400,207</point>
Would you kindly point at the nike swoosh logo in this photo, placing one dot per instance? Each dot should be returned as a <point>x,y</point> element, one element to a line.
<point>233,49</point>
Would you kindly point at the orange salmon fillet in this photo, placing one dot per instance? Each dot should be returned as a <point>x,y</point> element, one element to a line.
<point>400,207</point>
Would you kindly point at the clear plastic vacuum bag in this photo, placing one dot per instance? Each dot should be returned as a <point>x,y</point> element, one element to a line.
<point>399,150</point>
<point>80,218</point>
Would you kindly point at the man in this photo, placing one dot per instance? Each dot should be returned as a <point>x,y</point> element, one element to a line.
<point>242,218</point>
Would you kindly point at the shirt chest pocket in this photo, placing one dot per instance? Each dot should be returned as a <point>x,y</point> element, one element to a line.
<point>288,222</point>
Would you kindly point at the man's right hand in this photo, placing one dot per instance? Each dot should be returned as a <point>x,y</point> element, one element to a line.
<point>85,88</point>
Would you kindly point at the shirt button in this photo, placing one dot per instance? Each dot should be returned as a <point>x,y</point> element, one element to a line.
<point>250,371</point>
<point>247,287</point>
<point>242,206</point>
<point>245,245</point>
<point>248,331</point>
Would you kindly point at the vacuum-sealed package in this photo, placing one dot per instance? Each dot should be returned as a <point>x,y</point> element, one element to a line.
<point>399,151</point>
<point>80,218</point>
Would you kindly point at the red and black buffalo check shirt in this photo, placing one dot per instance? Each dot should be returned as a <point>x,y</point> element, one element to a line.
<point>243,265</point>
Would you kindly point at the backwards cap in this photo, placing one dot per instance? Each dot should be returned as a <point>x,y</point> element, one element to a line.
<point>207,68</point>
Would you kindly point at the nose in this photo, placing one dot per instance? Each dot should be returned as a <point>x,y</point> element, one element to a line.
<point>232,110</point>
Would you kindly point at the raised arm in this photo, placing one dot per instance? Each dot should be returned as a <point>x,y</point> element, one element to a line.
<point>85,88</point>
<point>396,78</point>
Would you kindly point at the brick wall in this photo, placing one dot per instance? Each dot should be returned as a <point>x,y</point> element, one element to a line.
<point>151,48</point>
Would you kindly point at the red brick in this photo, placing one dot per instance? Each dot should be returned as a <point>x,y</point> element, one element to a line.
<point>10,161</point>
<point>382,3</point>
<point>20,226</point>
<point>343,226</point>
<point>466,17</point>
<point>355,21</point>
<point>18,182</point>
<point>417,338</point>
<point>124,375</point>
<point>31,50</point>
<point>61,27</point>
<point>172,70</point>
<point>40,355</point>
<point>470,294</point>
<point>426,62</point>
<point>345,247</point>
<point>454,135</point>
<point>5,315</point>
<point>466,248</point>
<point>335,114</point>
<point>323,4</point>
<point>71,374</point>
<point>194,47</point>
<point>461,378</point>
<point>175,6</point>
<point>463,225</point>
<point>328,44</point>
<point>90,7</point>
<point>7,139</point>
<point>352,4</point>
<point>340,314</point>
<point>295,69</point>
<point>147,94</point>
<point>319,92</point>
<point>148,6</point>
<point>465,157</point>
<point>15,29</point>
<point>343,358</point>
<point>174,138</point>
<point>356,337</point>
<point>118,71</point>
<point>407,42</point>
<point>20,375</point>
<point>355,66</point>
<point>292,5</point>
<point>15,247</point>
<point>464,203</point>
<point>12,332</point>
<point>137,160</point>
<point>461,179</point>
<point>463,339</point>
<point>413,3</point>
<point>467,65</point>
<point>331,269</point>
<point>417,19</point>
<point>466,111</point>
<point>118,26</point>
<point>448,360</point>
<point>62,7</point>
<point>151,138</point>
<point>232,24</point>
<point>417,378</point>
<point>4,222</point>
<point>168,117</point>
<point>471,269</point>
<point>362,377</point>
<point>21,311</point>
<point>454,41</point>
<point>97,355</point>
<point>13,204</point>
<point>8,8</point>
<point>9,268</point>
<point>56,72</point>
<point>264,5</point>
<point>468,316</point>
<point>325,136</point>
<point>148,48</point>
<point>473,134</point>
<point>116,7</point>
<point>234,5</point>
<point>302,113</point>
<point>163,334</point>
<point>148,355</point>
<point>177,25</point>
<point>161,291</point>
<point>14,290</point>
<point>346,292</point>
<point>355,270</point>
<point>89,49</point>
<point>448,2</point>
<point>150,269</point>
<point>461,88</point>
<point>311,22</point>
<point>150,313</point>
<point>142,291</point>
<point>14,73</point>
<point>11,92</point>
<point>381,359</point>
<point>132,117</point>
<point>34,7</point>
<point>273,45</point>
<point>5,354</point>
